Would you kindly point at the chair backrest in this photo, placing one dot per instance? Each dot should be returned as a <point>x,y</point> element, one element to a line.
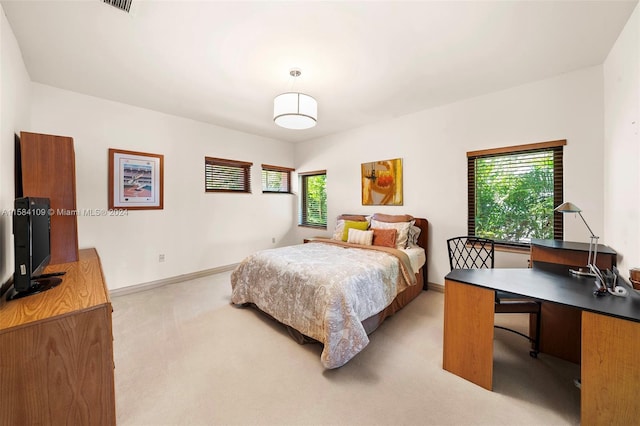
<point>470,252</point>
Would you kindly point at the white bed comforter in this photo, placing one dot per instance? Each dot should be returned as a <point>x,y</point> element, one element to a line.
<point>324,290</point>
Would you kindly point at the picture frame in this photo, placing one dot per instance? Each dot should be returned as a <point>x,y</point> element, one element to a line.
<point>382,183</point>
<point>136,180</point>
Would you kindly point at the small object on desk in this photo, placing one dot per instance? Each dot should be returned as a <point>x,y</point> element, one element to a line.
<point>611,280</point>
<point>634,277</point>
<point>600,291</point>
<point>620,290</point>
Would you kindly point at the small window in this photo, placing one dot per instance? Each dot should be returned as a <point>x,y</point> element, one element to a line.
<point>512,193</point>
<point>313,205</point>
<point>276,179</point>
<point>222,175</point>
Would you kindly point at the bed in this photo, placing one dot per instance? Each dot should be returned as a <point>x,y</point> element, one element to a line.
<point>337,290</point>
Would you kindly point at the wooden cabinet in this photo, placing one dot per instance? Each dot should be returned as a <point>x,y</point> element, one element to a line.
<point>47,169</point>
<point>560,325</point>
<point>570,254</point>
<point>56,351</point>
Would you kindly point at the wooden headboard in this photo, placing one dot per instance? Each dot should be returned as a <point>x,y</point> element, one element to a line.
<point>423,241</point>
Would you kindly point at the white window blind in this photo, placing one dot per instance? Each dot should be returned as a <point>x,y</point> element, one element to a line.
<point>276,179</point>
<point>512,193</point>
<point>221,175</point>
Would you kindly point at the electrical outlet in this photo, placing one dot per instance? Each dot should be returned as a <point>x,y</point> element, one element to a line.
<point>273,240</point>
<point>161,258</point>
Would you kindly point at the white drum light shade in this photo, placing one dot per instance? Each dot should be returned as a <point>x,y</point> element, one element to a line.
<point>294,110</point>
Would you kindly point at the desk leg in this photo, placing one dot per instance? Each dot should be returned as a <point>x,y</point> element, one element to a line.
<point>610,371</point>
<point>468,332</point>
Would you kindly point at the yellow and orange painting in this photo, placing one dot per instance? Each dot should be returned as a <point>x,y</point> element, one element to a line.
<point>382,183</point>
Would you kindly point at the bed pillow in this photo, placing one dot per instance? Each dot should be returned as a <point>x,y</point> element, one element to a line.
<point>412,237</point>
<point>357,236</point>
<point>384,237</point>
<point>354,217</point>
<point>352,224</point>
<point>392,218</point>
<point>401,227</point>
<point>339,229</point>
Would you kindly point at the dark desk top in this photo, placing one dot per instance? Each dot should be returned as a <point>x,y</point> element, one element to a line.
<point>570,245</point>
<point>557,286</point>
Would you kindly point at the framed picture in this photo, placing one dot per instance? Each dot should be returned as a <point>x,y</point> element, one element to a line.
<point>382,183</point>
<point>135,180</point>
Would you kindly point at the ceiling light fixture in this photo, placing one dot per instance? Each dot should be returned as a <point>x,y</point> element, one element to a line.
<point>295,110</point>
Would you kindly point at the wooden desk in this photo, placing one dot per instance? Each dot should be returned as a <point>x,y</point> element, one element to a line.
<point>560,325</point>
<point>610,371</point>
<point>56,351</point>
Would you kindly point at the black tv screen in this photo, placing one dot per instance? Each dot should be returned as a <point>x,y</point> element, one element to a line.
<point>32,246</point>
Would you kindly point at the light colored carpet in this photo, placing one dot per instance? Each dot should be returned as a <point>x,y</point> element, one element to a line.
<point>185,356</point>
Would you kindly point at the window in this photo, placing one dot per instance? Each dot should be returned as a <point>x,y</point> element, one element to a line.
<point>276,179</point>
<point>313,206</point>
<point>222,175</point>
<point>513,191</point>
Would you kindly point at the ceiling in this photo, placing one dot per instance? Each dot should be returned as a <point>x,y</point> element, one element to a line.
<point>224,62</point>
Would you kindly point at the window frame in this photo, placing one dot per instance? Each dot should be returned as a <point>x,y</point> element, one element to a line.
<point>285,171</point>
<point>556,147</point>
<point>302,217</point>
<point>243,166</point>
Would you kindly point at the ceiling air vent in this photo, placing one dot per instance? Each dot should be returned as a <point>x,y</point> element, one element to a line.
<point>120,4</point>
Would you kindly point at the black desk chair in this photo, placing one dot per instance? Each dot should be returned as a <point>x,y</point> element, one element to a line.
<point>476,252</point>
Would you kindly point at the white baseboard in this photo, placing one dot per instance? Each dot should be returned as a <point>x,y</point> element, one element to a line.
<point>436,287</point>
<point>199,274</point>
<point>171,280</point>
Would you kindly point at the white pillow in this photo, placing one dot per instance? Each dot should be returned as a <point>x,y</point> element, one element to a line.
<point>412,238</point>
<point>337,232</point>
<point>401,227</point>
<point>357,236</point>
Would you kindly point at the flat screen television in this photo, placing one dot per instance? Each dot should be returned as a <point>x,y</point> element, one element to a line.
<point>32,247</point>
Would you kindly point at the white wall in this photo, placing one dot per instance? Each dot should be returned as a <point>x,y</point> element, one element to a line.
<point>433,146</point>
<point>199,231</point>
<point>15,89</point>
<point>622,146</point>
<point>195,230</point>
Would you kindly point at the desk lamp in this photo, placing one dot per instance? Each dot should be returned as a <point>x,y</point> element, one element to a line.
<point>593,246</point>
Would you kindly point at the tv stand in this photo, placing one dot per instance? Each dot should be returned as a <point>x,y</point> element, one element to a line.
<point>56,351</point>
<point>39,284</point>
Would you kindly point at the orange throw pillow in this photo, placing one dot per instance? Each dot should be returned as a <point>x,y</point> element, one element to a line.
<point>384,237</point>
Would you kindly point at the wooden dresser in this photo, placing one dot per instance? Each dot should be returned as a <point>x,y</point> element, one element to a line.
<point>56,351</point>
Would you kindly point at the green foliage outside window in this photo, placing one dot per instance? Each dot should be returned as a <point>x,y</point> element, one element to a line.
<point>314,208</point>
<point>514,197</point>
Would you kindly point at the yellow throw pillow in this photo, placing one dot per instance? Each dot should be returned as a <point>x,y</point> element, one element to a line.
<point>351,224</point>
